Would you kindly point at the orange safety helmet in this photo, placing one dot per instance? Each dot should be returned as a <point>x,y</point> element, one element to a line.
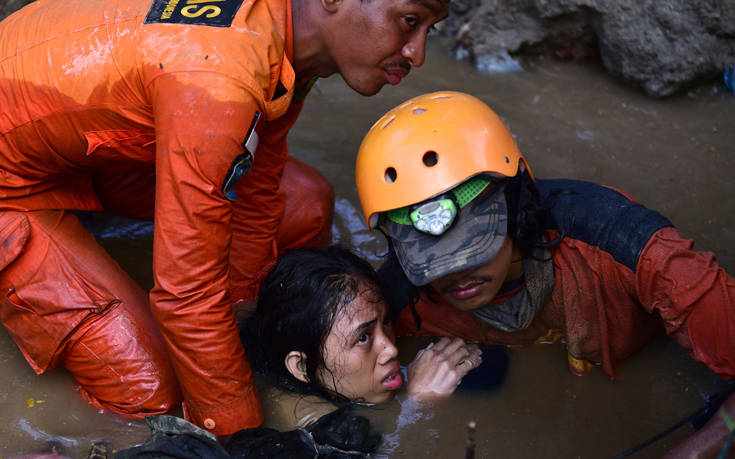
<point>429,145</point>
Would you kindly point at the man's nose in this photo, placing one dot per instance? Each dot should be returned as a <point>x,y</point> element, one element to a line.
<point>415,49</point>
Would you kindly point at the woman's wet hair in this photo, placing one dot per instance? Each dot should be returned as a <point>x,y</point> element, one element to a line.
<point>298,304</point>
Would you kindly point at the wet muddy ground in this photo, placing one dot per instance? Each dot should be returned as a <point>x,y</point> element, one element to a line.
<point>676,155</point>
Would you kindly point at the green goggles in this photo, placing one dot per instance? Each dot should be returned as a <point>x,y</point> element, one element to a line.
<point>436,215</point>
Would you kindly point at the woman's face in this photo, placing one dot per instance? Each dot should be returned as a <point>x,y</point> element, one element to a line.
<point>360,356</point>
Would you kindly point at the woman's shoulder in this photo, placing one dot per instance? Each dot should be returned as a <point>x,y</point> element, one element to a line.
<point>285,410</point>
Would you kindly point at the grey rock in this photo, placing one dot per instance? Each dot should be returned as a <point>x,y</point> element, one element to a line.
<point>9,6</point>
<point>662,46</point>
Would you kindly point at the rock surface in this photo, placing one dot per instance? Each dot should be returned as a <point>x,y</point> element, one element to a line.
<point>662,46</point>
<point>8,6</point>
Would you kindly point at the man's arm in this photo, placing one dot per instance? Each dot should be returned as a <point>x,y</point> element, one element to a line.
<point>708,442</point>
<point>694,296</point>
<point>201,122</point>
<point>258,211</point>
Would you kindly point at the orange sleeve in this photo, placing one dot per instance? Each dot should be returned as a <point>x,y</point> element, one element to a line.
<point>259,209</point>
<point>694,296</point>
<point>201,120</point>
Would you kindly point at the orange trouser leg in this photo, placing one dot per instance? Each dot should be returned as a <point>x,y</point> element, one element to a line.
<point>66,302</point>
<point>307,221</point>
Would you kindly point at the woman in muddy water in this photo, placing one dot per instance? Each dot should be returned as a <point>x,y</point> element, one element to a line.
<point>323,336</point>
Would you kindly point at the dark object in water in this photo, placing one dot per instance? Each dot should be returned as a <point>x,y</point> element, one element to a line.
<point>470,447</point>
<point>172,437</point>
<point>343,430</point>
<point>697,420</point>
<point>263,442</point>
<point>338,435</point>
<point>490,375</point>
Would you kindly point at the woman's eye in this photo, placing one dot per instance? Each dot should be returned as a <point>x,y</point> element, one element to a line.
<point>364,338</point>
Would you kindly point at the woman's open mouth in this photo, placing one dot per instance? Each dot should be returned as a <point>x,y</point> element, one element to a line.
<point>394,380</point>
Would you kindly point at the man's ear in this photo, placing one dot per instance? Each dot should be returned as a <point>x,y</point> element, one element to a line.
<point>331,5</point>
<point>296,365</point>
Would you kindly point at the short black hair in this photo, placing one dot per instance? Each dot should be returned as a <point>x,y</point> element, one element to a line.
<point>298,304</point>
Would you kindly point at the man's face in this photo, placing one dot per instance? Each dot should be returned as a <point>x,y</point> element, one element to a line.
<point>476,287</point>
<point>375,42</point>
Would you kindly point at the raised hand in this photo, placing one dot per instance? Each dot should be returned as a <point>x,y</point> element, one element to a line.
<point>438,369</point>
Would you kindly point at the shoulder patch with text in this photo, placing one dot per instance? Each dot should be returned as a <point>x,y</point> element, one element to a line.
<point>216,13</point>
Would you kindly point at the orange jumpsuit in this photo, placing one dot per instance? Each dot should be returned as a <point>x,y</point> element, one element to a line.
<point>142,108</point>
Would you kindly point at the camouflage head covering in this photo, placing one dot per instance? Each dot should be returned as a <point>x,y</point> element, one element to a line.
<point>474,239</point>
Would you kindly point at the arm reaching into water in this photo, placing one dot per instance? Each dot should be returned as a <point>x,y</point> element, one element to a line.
<point>438,369</point>
<point>708,442</point>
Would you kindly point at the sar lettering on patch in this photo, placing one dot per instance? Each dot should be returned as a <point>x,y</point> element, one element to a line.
<point>216,13</point>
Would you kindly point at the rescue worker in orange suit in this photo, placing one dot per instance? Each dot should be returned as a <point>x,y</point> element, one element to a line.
<point>175,110</point>
<point>481,250</point>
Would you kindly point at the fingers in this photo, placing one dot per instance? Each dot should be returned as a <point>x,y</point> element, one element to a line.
<point>456,350</point>
<point>468,364</point>
<point>450,354</point>
<point>438,369</point>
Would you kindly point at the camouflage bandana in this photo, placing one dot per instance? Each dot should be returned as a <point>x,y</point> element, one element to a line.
<point>519,311</point>
<point>474,239</point>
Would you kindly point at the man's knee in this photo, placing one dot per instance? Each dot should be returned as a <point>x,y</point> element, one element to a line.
<point>120,362</point>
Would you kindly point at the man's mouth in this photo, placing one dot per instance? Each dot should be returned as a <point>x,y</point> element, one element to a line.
<point>466,288</point>
<point>396,72</point>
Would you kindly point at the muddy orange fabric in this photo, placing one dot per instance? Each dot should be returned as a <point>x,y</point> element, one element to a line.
<point>81,311</point>
<point>606,310</point>
<point>164,92</point>
<point>608,313</point>
<point>67,302</point>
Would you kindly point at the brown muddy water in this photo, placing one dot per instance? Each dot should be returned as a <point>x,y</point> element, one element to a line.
<point>676,155</point>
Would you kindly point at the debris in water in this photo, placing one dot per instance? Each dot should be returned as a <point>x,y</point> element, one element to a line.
<point>31,402</point>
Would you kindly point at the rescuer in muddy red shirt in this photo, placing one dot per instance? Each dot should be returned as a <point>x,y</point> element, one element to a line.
<point>175,110</point>
<point>482,250</point>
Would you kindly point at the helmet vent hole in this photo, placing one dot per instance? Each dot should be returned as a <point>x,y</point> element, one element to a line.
<point>507,160</point>
<point>390,175</point>
<point>389,122</point>
<point>430,159</point>
<point>418,111</point>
